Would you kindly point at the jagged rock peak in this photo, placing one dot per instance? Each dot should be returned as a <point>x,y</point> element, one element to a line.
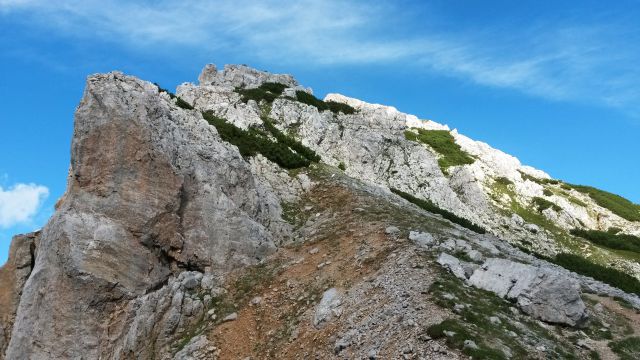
<point>241,76</point>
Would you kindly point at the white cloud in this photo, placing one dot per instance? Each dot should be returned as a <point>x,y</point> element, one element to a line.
<point>20,203</point>
<point>563,61</point>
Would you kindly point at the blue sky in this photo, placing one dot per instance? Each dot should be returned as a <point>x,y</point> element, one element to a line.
<point>556,84</point>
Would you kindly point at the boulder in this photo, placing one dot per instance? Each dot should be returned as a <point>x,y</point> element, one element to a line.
<point>392,231</point>
<point>543,293</point>
<point>452,264</point>
<point>421,239</point>
<point>328,306</point>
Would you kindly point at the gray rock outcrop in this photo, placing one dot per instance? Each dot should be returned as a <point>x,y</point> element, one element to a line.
<point>152,191</point>
<point>540,292</point>
<point>241,76</point>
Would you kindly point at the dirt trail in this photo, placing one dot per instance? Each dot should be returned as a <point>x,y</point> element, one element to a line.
<point>630,315</point>
<point>276,327</point>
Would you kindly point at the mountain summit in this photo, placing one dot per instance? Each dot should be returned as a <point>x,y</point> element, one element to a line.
<point>243,217</point>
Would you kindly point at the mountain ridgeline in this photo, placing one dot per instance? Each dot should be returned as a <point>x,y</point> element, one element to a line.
<point>243,217</point>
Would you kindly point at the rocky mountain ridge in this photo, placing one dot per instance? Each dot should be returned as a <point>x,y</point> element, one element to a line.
<point>187,216</point>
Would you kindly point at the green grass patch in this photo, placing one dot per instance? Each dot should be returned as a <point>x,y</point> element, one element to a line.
<point>547,192</point>
<point>431,207</point>
<point>605,274</point>
<point>504,181</point>
<point>293,214</point>
<point>252,279</point>
<point>251,142</point>
<point>610,240</point>
<point>623,302</point>
<point>615,203</point>
<point>457,335</point>
<point>444,144</point>
<point>576,201</point>
<point>527,213</point>
<point>543,204</point>
<point>596,330</point>
<point>183,104</point>
<point>626,349</point>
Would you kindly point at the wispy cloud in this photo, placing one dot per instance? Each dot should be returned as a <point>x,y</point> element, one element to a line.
<point>572,61</point>
<point>20,203</point>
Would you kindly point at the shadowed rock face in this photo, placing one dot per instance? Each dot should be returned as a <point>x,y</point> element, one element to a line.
<point>152,192</point>
<point>13,276</point>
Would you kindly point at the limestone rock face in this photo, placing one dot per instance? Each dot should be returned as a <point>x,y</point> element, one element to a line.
<point>241,76</point>
<point>153,191</point>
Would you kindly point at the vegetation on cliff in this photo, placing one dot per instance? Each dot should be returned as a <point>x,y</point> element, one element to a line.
<point>444,144</point>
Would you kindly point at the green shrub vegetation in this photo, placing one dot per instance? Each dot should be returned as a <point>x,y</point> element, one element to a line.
<point>268,92</point>
<point>183,104</point>
<point>342,166</point>
<point>306,98</point>
<point>540,181</point>
<point>611,240</point>
<point>162,90</point>
<point>615,203</point>
<point>543,204</point>
<point>337,107</point>
<point>290,142</point>
<point>272,87</point>
<point>627,349</point>
<point>547,192</point>
<point>504,181</point>
<point>614,230</point>
<point>442,142</point>
<point>251,142</point>
<point>257,95</point>
<point>607,275</point>
<point>431,207</point>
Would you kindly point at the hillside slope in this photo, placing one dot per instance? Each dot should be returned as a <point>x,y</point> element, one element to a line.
<point>243,217</point>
